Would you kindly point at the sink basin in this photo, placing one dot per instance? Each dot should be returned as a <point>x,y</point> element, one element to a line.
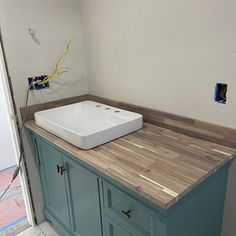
<point>88,124</point>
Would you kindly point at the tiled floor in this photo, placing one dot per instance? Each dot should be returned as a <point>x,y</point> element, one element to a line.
<point>12,208</point>
<point>43,229</point>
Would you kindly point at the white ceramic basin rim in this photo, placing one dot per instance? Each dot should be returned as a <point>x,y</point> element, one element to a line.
<point>88,124</point>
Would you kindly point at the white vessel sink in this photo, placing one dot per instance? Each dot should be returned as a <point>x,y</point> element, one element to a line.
<point>88,124</point>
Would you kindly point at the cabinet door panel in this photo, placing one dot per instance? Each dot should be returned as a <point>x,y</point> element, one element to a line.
<point>53,183</point>
<point>84,203</point>
<point>111,228</point>
<point>141,218</point>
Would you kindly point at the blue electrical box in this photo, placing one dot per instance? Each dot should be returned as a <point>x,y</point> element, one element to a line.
<point>220,93</point>
<point>37,79</point>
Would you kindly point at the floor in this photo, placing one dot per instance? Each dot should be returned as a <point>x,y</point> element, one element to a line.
<point>12,208</point>
<point>13,231</point>
<point>44,229</point>
<point>13,220</point>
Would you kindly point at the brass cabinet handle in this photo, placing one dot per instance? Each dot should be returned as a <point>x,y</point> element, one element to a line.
<point>62,170</point>
<point>126,213</point>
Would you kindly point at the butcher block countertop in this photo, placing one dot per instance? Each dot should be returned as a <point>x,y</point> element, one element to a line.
<point>157,163</point>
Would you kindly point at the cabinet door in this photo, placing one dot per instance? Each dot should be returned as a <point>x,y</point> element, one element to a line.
<point>53,183</point>
<point>83,195</point>
<point>111,228</point>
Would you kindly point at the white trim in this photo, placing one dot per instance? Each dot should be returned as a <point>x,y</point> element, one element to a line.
<point>15,138</point>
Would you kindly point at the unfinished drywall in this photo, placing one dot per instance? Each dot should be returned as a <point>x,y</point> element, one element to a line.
<point>167,55</point>
<point>54,22</point>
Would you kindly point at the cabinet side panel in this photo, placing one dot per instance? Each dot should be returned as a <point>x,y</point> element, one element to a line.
<point>201,213</point>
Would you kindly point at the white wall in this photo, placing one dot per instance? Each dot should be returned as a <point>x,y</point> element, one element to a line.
<point>55,21</point>
<point>8,157</point>
<point>167,55</point>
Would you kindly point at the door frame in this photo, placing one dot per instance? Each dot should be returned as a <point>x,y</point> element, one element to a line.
<point>15,136</point>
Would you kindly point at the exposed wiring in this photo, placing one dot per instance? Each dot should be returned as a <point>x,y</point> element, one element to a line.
<point>4,192</point>
<point>223,92</point>
<point>58,70</point>
<point>10,189</point>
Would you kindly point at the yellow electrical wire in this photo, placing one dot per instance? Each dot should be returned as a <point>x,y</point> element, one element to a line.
<point>58,70</point>
<point>223,92</point>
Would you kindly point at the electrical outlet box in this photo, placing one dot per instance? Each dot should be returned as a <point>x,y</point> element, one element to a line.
<point>220,93</point>
<point>33,82</point>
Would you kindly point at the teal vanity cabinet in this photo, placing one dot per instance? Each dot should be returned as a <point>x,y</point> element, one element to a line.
<point>81,201</point>
<point>136,218</point>
<point>199,213</point>
<point>70,192</point>
<point>53,183</point>
<point>111,228</point>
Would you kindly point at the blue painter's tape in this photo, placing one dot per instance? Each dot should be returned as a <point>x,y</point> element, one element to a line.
<point>9,168</point>
<point>12,224</point>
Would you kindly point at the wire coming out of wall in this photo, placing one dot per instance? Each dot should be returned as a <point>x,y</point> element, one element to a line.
<point>55,74</point>
<point>58,70</point>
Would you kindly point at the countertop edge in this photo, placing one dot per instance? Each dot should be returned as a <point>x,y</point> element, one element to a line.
<point>145,195</point>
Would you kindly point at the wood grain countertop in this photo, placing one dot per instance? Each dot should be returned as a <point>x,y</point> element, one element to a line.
<point>157,163</point>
